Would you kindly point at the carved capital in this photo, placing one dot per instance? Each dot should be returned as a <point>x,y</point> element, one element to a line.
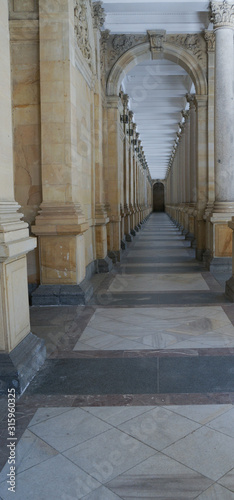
<point>98,15</point>
<point>157,39</point>
<point>222,14</point>
<point>191,100</point>
<point>210,40</point>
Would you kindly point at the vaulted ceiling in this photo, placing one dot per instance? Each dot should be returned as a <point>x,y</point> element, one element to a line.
<point>157,114</point>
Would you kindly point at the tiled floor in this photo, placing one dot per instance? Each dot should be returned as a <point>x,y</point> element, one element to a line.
<point>136,398</point>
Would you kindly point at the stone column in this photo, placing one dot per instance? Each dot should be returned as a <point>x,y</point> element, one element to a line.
<point>127,139</point>
<point>21,352</point>
<point>103,262</point>
<point>61,223</point>
<point>113,172</point>
<point>201,172</point>
<point>210,44</point>
<point>192,167</point>
<point>222,16</point>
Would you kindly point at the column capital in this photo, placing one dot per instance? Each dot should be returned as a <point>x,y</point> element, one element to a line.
<point>191,100</point>
<point>98,14</point>
<point>209,37</point>
<point>222,14</point>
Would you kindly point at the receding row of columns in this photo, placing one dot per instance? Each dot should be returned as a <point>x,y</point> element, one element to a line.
<point>200,180</point>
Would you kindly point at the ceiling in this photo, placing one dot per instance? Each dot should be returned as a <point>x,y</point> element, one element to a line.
<point>157,111</point>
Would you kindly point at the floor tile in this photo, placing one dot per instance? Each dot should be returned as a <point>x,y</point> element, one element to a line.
<point>224,423</point>
<point>216,492</point>
<point>158,428</point>
<point>64,431</point>
<point>210,452</point>
<point>228,480</point>
<point>158,282</point>
<point>200,413</point>
<point>101,494</point>
<point>57,478</point>
<point>108,455</point>
<point>159,477</point>
<point>117,415</point>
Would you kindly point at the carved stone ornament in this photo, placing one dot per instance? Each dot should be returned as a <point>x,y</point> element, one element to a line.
<point>210,40</point>
<point>82,30</point>
<point>191,100</point>
<point>193,42</point>
<point>99,15</point>
<point>222,14</point>
<point>156,38</point>
<point>103,46</point>
<point>118,44</point>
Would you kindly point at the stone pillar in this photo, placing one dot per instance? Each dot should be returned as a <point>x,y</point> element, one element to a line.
<point>192,168</point>
<point>126,167</point>
<point>201,172</point>
<point>61,223</point>
<point>21,352</point>
<point>113,171</point>
<point>222,16</point>
<point>103,262</point>
<point>210,44</point>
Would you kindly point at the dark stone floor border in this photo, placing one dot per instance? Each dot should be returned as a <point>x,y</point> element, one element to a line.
<point>151,353</point>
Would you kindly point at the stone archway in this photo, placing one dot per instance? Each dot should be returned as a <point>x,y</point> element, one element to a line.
<point>142,52</point>
<point>158,197</point>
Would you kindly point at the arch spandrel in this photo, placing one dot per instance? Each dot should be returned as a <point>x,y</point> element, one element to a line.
<point>136,55</point>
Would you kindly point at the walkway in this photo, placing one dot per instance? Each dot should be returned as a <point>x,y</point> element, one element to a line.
<point>135,400</point>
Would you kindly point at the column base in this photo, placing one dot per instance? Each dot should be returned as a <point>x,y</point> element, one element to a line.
<point>129,237</point>
<point>133,232</point>
<point>59,295</point>
<point>115,255</point>
<point>18,368</point>
<point>104,265</point>
<point>137,228</point>
<point>217,264</point>
<point>229,289</point>
<point>189,237</point>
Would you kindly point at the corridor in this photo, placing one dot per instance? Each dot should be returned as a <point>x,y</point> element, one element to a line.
<point>135,399</point>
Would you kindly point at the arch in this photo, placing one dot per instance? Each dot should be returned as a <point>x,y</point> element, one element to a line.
<point>158,197</point>
<point>142,52</point>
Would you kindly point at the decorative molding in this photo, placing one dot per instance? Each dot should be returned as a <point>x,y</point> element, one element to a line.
<point>119,44</point>
<point>222,14</point>
<point>98,15</point>
<point>195,43</point>
<point>191,100</point>
<point>210,40</point>
<point>103,48</point>
<point>81,28</point>
<point>156,39</point>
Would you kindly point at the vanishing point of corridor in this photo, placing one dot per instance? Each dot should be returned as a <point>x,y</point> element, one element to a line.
<point>135,400</point>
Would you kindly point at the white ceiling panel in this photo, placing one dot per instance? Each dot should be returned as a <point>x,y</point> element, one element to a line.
<point>157,89</point>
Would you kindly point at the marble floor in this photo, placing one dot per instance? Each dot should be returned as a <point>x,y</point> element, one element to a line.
<point>136,397</point>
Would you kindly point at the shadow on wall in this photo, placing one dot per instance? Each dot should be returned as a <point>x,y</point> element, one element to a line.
<point>158,197</point>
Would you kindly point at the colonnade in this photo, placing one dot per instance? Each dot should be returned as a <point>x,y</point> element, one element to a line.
<point>127,179</point>
<point>200,179</point>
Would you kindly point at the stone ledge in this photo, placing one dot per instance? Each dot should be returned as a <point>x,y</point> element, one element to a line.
<point>18,368</point>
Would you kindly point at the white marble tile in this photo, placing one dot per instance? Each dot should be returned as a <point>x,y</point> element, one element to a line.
<point>200,413</point>
<point>108,455</point>
<point>116,415</point>
<point>224,423</point>
<point>30,451</point>
<point>57,478</point>
<point>70,428</point>
<point>43,414</point>
<point>157,328</point>
<point>158,283</point>
<point>101,493</point>
<point>216,492</point>
<point>228,480</point>
<point>210,452</point>
<point>159,477</point>
<point>159,428</point>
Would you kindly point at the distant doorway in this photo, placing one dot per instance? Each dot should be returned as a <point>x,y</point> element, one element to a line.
<point>158,197</point>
